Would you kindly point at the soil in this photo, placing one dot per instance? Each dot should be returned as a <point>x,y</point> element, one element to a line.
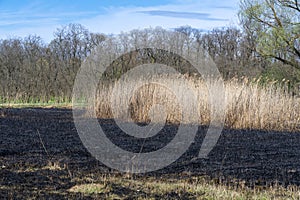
<point>42,156</point>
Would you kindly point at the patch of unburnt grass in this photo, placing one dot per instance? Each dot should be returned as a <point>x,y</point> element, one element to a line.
<point>126,186</point>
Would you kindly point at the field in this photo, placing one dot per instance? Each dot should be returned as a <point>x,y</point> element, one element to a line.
<point>199,100</point>
<point>42,157</point>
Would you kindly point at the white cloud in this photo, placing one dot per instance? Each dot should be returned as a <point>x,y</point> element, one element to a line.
<point>117,19</point>
<point>126,19</point>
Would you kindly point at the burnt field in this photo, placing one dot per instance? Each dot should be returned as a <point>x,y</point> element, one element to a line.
<point>41,156</point>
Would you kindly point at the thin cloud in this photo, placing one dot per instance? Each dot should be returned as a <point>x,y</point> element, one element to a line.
<point>27,21</point>
<point>226,7</point>
<point>176,14</point>
<point>42,18</point>
<point>26,18</point>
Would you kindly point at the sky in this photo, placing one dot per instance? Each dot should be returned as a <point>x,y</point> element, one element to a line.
<point>43,17</point>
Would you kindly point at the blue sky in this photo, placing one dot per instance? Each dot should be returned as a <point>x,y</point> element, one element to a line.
<point>42,17</point>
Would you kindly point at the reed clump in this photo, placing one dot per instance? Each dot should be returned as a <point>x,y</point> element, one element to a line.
<point>248,103</point>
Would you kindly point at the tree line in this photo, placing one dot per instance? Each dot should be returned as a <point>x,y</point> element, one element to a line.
<point>32,70</point>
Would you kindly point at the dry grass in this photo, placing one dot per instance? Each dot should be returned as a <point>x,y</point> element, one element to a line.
<point>248,104</point>
<point>124,187</point>
<point>36,105</point>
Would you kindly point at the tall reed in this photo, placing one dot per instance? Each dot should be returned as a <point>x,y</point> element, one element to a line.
<point>249,105</point>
